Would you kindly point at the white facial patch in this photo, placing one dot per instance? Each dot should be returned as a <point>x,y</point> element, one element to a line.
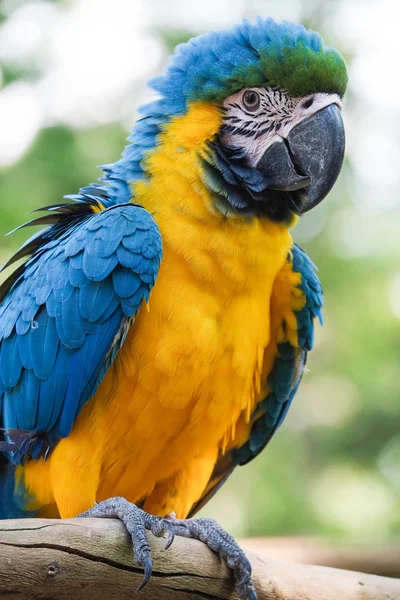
<point>257,117</point>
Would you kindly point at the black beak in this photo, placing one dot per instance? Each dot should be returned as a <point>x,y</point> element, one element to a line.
<point>309,160</point>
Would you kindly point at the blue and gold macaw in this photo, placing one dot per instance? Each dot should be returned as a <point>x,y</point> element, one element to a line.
<point>156,335</point>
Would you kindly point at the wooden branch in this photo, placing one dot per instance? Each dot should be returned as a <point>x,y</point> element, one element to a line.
<point>91,559</point>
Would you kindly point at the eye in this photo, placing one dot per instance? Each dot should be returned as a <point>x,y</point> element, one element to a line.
<point>251,100</point>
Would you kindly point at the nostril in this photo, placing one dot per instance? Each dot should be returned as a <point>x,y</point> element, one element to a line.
<point>308,103</point>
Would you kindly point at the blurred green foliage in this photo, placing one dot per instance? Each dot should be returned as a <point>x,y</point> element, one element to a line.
<point>334,465</point>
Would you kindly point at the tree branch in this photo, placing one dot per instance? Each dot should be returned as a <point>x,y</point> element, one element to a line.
<point>91,559</point>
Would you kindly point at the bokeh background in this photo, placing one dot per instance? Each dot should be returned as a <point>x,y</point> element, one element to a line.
<point>72,74</point>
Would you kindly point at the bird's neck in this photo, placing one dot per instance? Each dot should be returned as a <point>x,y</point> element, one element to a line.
<point>238,251</point>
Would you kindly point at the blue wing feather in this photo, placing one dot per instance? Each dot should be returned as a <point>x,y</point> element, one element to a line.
<point>65,316</point>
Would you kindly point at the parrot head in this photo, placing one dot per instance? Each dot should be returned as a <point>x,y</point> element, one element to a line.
<point>279,144</point>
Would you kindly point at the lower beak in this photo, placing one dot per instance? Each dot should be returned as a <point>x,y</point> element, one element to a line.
<point>309,159</point>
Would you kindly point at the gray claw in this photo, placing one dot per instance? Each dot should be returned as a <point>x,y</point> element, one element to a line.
<point>170,533</point>
<point>148,568</point>
<point>252,595</point>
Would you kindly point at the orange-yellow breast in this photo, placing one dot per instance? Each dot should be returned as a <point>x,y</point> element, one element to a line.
<point>190,367</point>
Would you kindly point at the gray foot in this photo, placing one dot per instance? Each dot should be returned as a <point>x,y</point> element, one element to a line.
<point>136,522</point>
<point>221,542</point>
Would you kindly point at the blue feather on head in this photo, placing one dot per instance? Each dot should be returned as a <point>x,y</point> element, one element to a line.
<point>210,67</point>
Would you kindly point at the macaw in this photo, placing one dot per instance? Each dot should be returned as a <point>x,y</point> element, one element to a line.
<point>156,334</point>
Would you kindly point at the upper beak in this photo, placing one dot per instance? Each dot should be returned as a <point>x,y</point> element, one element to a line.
<point>309,159</point>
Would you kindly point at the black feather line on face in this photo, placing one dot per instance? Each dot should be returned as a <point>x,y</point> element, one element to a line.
<point>276,110</point>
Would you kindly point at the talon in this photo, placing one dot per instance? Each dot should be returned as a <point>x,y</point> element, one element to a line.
<point>148,568</point>
<point>252,595</point>
<point>170,534</point>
